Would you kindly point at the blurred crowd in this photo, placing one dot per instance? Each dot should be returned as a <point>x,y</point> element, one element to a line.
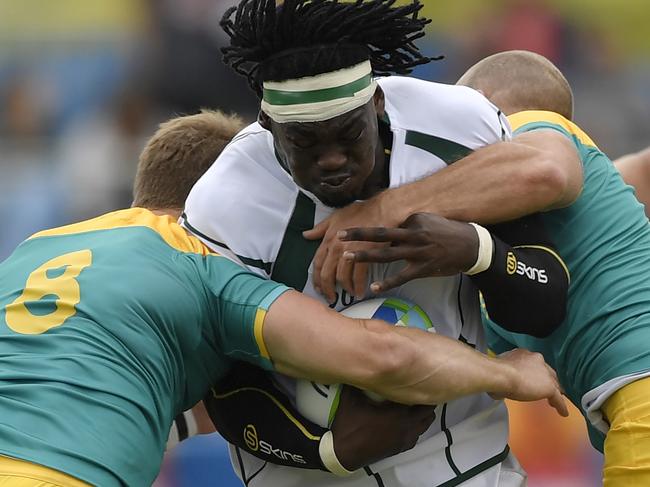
<point>83,84</point>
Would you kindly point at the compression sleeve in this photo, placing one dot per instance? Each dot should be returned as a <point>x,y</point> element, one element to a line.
<point>251,413</point>
<point>525,287</point>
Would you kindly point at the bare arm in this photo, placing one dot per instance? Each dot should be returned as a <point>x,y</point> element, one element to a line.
<point>635,169</point>
<point>307,339</point>
<point>537,171</point>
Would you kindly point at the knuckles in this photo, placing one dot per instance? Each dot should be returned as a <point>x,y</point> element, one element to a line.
<point>381,232</point>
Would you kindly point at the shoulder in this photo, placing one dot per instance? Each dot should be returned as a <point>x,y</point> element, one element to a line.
<point>243,202</point>
<point>246,170</point>
<point>449,111</point>
<point>530,120</point>
<point>131,222</point>
<point>245,175</point>
<point>251,139</point>
<point>413,92</point>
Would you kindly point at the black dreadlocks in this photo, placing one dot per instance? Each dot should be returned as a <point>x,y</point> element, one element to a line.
<point>308,37</point>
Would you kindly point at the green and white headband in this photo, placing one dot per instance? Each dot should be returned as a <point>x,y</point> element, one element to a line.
<point>320,97</point>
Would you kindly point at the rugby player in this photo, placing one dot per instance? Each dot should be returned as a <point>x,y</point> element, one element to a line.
<point>600,349</point>
<point>330,134</point>
<point>112,326</point>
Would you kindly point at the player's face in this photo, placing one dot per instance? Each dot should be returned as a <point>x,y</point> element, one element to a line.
<point>332,159</point>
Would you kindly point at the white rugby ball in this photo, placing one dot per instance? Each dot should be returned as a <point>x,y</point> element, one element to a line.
<point>319,402</point>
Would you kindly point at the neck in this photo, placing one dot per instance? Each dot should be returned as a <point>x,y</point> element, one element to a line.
<point>172,212</point>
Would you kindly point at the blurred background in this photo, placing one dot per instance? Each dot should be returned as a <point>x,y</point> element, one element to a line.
<point>84,83</point>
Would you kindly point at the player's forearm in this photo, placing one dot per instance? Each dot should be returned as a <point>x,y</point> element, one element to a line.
<point>306,339</point>
<point>438,369</point>
<point>501,182</point>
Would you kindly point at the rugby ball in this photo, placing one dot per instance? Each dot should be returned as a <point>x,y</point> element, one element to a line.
<point>319,402</point>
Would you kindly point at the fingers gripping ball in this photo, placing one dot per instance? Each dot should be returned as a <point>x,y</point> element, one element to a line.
<point>319,402</point>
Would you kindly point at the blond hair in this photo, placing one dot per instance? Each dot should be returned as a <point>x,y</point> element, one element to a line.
<point>178,154</point>
<point>521,80</point>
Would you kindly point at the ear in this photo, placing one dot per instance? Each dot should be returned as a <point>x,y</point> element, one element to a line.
<point>264,120</point>
<point>380,101</point>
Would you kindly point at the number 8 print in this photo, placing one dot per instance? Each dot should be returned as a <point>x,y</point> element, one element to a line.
<point>64,286</point>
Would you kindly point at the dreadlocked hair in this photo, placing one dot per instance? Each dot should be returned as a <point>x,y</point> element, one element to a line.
<point>308,37</point>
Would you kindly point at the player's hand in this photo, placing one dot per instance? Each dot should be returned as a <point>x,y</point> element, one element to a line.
<point>329,266</point>
<point>430,244</point>
<point>365,431</point>
<point>534,380</point>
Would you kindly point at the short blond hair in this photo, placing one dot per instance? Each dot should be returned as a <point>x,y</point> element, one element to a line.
<point>178,154</point>
<point>521,80</point>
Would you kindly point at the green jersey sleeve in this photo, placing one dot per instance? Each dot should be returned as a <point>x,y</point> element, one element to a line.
<point>496,343</point>
<point>240,300</point>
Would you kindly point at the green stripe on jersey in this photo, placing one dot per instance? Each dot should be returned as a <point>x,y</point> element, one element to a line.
<point>474,471</point>
<point>447,150</point>
<point>296,252</point>
<point>258,263</point>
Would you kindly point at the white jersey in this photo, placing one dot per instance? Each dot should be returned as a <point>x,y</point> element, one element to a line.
<point>247,205</point>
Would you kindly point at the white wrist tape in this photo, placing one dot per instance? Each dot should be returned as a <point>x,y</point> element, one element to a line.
<point>485,251</point>
<point>328,456</point>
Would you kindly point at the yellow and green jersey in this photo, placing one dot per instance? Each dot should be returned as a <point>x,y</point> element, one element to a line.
<point>604,239</point>
<point>108,329</point>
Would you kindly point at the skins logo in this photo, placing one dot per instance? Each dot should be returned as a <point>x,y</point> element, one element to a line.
<point>511,263</point>
<point>255,444</point>
<point>532,273</point>
<point>250,438</point>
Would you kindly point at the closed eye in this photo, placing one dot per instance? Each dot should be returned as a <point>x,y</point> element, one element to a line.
<point>301,143</point>
<point>354,136</point>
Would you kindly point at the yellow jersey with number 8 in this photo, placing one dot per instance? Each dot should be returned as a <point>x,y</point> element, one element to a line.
<point>108,329</point>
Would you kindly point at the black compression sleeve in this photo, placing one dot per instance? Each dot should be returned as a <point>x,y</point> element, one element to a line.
<point>525,288</point>
<point>250,412</point>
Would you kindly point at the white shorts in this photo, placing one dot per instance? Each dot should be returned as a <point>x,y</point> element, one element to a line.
<point>259,473</point>
<point>478,456</point>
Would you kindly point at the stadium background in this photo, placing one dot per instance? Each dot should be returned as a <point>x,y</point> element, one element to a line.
<point>84,83</point>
